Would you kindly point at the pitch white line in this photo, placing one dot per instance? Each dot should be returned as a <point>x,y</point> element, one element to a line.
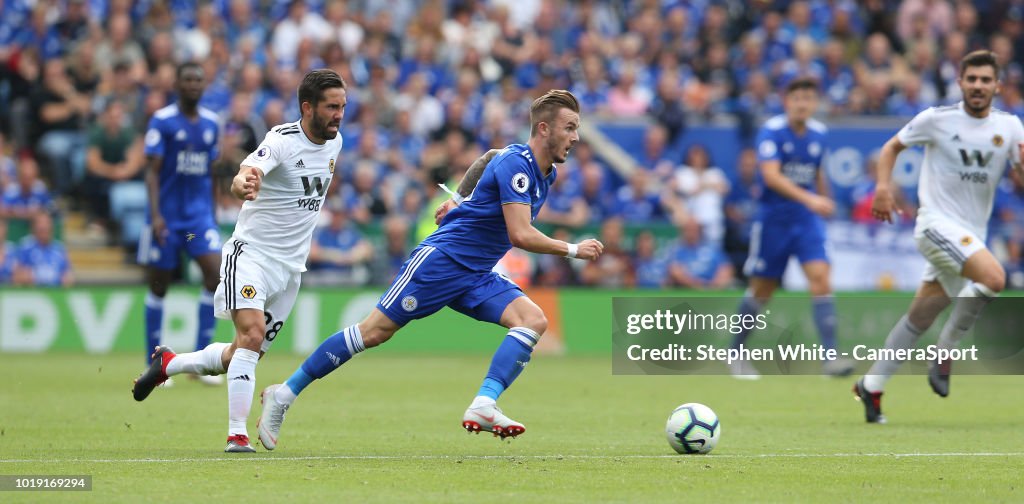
<point>257,458</point>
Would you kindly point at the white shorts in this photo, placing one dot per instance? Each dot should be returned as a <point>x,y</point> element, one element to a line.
<point>946,245</point>
<point>249,279</point>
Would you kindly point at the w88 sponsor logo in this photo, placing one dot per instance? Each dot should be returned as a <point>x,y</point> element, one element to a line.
<point>311,204</point>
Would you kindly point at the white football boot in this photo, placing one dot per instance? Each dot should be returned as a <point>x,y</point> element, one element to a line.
<point>489,418</point>
<point>269,424</point>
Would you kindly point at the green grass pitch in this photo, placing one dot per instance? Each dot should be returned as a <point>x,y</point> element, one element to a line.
<point>386,428</point>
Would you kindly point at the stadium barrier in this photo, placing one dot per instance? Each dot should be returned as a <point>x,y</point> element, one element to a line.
<point>110,319</point>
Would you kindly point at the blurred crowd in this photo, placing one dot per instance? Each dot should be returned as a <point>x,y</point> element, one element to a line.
<point>434,83</point>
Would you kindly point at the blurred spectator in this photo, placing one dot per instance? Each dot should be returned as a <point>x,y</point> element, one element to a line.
<point>339,254</point>
<point>73,24</point>
<point>837,79</point>
<point>292,30</point>
<point>39,35</point>
<point>651,266</point>
<point>425,111</point>
<point>757,103</point>
<point>937,15</point>
<point>60,110</point>
<point>8,255</point>
<point>565,205</point>
<point>804,62</point>
<point>595,192</point>
<point>614,269</point>
<point>879,61</point>
<point>627,99</point>
<point>8,169</point>
<point>696,263</point>
<point>387,262</point>
<point>908,101</point>
<point>555,271</point>
<point>41,260</point>
<point>118,46</point>
<point>242,129</point>
<point>639,202</point>
<point>666,105</point>
<point>27,197</point>
<point>592,89</point>
<point>954,48</point>
<point>703,187</point>
<point>655,156</point>
<point>18,82</point>
<point>122,88</point>
<point>518,265</point>
<point>114,161</point>
<point>800,24</point>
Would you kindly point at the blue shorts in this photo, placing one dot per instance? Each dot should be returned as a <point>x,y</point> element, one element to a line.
<point>773,243</point>
<point>430,280</point>
<point>196,242</point>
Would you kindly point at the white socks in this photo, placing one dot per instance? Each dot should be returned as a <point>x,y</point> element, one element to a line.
<point>480,400</point>
<point>204,362</point>
<point>241,378</point>
<point>284,395</point>
<point>903,335</point>
<point>966,310</point>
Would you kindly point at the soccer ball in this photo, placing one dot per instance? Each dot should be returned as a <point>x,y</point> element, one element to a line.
<point>693,428</point>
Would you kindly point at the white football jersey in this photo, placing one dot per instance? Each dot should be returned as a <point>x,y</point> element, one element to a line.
<point>964,159</point>
<point>297,173</point>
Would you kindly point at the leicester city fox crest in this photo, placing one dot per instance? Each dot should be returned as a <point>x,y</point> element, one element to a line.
<point>409,303</point>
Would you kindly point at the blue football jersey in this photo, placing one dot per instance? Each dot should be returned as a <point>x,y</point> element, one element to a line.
<point>47,262</point>
<point>801,157</point>
<point>187,148</point>
<point>474,233</point>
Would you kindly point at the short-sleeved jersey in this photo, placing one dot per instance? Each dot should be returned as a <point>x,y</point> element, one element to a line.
<point>474,233</point>
<point>187,147</point>
<point>296,175</point>
<point>800,156</point>
<point>48,263</point>
<point>964,159</point>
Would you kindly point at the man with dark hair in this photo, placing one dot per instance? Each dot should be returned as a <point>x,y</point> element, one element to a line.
<point>967,147</point>
<point>453,267</point>
<point>789,221</point>
<point>181,143</point>
<point>283,184</point>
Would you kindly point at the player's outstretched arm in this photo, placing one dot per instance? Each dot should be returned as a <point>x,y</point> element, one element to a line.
<point>884,203</point>
<point>771,170</point>
<point>246,185</point>
<point>523,235</point>
<point>466,186</point>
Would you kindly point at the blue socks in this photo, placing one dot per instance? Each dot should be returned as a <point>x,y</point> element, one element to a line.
<point>331,354</point>
<point>207,322</point>
<point>154,322</point>
<point>749,306</point>
<point>509,360</point>
<point>825,319</point>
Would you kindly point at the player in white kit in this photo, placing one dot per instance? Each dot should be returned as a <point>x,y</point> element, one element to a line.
<point>284,184</point>
<point>967,147</point>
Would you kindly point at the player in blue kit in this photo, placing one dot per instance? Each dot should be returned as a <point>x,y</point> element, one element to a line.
<point>453,267</point>
<point>181,143</point>
<point>789,221</point>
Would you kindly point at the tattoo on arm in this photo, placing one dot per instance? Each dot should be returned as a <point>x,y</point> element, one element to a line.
<point>473,174</point>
